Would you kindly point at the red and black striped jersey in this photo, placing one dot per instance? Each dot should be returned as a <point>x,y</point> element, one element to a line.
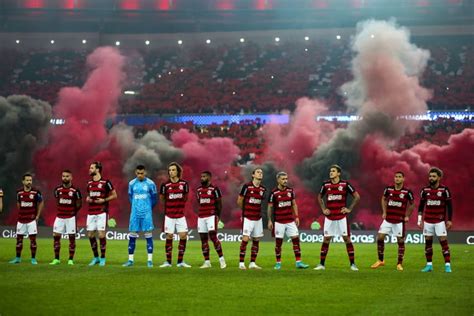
<point>28,202</point>
<point>435,201</point>
<point>175,195</point>
<point>207,198</point>
<point>282,201</point>
<point>66,201</point>
<point>397,202</point>
<point>336,197</point>
<point>252,201</point>
<point>98,190</point>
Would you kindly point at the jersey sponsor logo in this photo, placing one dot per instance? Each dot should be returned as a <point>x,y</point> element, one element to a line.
<point>204,200</point>
<point>94,193</point>
<point>174,196</point>
<point>284,204</point>
<point>140,196</point>
<point>255,201</point>
<point>394,203</point>
<point>65,201</point>
<point>433,202</point>
<point>26,204</point>
<point>334,197</point>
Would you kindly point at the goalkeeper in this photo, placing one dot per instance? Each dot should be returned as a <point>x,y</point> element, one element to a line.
<point>142,194</point>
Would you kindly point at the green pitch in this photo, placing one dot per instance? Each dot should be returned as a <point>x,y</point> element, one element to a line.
<point>83,290</point>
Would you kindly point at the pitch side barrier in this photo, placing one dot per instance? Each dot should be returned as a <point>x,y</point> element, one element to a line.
<point>234,235</point>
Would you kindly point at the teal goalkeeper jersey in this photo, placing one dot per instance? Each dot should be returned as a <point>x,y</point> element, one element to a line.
<point>143,196</point>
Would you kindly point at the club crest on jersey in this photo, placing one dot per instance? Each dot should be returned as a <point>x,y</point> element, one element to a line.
<point>402,195</point>
<point>145,187</point>
<point>288,194</point>
<point>208,192</point>
<point>439,193</point>
<point>99,185</point>
<point>70,193</point>
<point>31,196</point>
<point>180,186</point>
<point>340,188</point>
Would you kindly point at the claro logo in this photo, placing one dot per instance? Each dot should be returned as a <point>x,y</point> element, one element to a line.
<point>470,240</point>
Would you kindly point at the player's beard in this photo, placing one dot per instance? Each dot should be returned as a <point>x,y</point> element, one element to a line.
<point>66,183</point>
<point>205,183</point>
<point>433,182</point>
<point>93,173</point>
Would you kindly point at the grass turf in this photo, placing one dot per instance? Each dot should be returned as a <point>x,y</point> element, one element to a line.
<point>83,290</point>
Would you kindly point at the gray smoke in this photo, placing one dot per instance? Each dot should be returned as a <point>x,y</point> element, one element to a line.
<point>386,67</point>
<point>24,124</point>
<point>152,150</point>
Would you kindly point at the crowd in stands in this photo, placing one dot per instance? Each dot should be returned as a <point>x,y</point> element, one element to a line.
<point>248,136</point>
<point>239,78</point>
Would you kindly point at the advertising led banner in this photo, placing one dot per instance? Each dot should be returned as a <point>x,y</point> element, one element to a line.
<point>234,235</point>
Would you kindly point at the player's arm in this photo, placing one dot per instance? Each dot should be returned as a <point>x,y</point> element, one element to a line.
<point>383,204</point>
<point>421,208</point>
<point>153,196</point>
<point>294,207</point>
<point>411,206</point>
<point>112,196</point>
<point>130,192</point>
<point>321,203</point>
<point>270,215</point>
<point>40,206</point>
<point>78,201</point>
<point>355,199</point>
<point>449,208</point>
<point>218,207</point>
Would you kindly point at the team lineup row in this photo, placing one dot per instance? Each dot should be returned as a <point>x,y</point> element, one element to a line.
<point>397,203</point>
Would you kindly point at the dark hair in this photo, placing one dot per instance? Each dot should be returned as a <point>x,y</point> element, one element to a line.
<point>337,167</point>
<point>27,175</point>
<point>140,167</point>
<point>438,171</point>
<point>207,172</point>
<point>258,168</point>
<point>178,167</point>
<point>98,165</point>
<point>400,172</point>
<point>67,171</point>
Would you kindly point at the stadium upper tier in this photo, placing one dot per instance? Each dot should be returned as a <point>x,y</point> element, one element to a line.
<point>244,77</point>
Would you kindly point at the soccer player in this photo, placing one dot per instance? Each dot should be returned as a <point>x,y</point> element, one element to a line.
<point>335,191</point>
<point>250,201</point>
<point>143,197</point>
<point>210,207</point>
<point>282,208</point>
<point>30,204</point>
<point>68,203</point>
<point>99,193</point>
<point>173,195</point>
<point>436,202</point>
<point>397,206</point>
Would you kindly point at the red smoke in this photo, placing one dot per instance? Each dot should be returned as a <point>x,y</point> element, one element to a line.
<point>288,145</point>
<point>83,138</point>
<point>215,155</point>
<point>455,159</point>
